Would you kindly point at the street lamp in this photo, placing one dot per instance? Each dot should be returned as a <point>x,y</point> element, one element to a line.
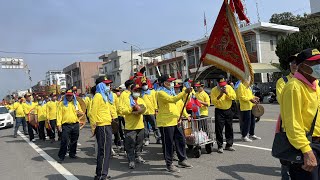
<point>70,78</point>
<point>133,45</point>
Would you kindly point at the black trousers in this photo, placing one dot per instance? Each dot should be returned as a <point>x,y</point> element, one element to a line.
<point>152,121</point>
<point>223,118</point>
<point>170,136</point>
<point>297,173</point>
<point>248,123</point>
<point>104,139</point>
<point>30,131</point>
<point>42,135</point>
<point>133,143</point>
<point>70,133</point>
<point>53,124</point>
<point>121,127</point>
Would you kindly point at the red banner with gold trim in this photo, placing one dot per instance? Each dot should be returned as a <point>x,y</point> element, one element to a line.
<point>225,48</point>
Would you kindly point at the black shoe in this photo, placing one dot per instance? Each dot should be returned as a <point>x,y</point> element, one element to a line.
<point>74,157</point>
<point>101,178</point>
<point>52,140</point>
<point>15,136</point>
<point>60,160</point>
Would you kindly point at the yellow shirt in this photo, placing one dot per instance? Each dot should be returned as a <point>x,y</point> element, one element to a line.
<point>114,106</point>
<point>190,95</point>
<point>41,112</point>
<point>225,102</point>
<point>132,121</point>
<point>101,111</point>
<point>17,106</point>
<point>117,101</point>
<point>180,104</point>
<point>123,98</point>
<point>168,111</point>
<point>151,102</point>
<point>67,114</point>
<point>27,108</point>
<point>280,84</point>
<point>245,95</point>
<point>52,110</point>
<point>204,97</point>
<point>298,106</point>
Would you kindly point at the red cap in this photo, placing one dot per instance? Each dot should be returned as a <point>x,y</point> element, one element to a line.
<point>136,87</point>
<point>177,86</point>
<point>69,93</point>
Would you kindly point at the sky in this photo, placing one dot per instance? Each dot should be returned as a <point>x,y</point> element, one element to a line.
<point>80,26</point>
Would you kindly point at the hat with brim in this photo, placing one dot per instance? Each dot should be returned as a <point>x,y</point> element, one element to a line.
<point>188,80</point>
<point>136,87</point>
<point>177,86</point>
<point>309,54</point>
<point>198,84</point>
<point>104,80</point>
<point>69,93</point>
<point>166,78</point>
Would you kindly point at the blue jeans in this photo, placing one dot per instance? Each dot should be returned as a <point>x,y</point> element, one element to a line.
<point>19,121</point>
<point>248,123</point>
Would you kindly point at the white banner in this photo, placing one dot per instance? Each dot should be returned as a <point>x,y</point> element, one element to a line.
<point>11,63</point>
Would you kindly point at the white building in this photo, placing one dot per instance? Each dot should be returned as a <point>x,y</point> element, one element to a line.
<point>50,76</point>
<point>315,6</point>
<point>118,66</point>
<point>60,80</point>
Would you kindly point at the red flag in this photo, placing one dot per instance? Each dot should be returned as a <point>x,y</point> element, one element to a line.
<point>225,48</point>
<point>236,5</point>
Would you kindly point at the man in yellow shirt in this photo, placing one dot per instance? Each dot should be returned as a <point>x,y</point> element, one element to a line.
<point>27,106</point>
<point>68,124</point>
<point>299,103</point>
<point>203,98</point>
<point>222,96</point>
<point>102,114</point>
<point>167,121</point>
<point>149,97</point>
<point>283,80</point>
<point>133,108</point>
<point>41,114</point>
<point>20,117</point>
<point>247,100</point>
<point>52,115</point>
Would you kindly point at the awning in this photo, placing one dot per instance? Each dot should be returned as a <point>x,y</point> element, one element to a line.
<point>211,72</point>
<point>264,68</point>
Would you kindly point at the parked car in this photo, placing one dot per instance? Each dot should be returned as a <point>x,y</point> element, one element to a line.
<point>6,119</point>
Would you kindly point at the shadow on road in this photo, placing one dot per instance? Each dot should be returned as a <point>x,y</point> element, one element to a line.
<point>233,170</point>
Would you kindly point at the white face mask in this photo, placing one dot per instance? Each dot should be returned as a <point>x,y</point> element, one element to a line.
<point>171,85</point>
<point>108,88</point>
<point>136,94</point>
<point>315,71</point>
<point>145,87</point>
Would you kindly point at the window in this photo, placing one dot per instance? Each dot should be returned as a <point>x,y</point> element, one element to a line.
<point>171,68</point>
<point>164,69</point>
<point>250,43</point>
<point>272,44</point>
<point>191,57</point>
<point>179,66</point>
<point>115,63</point>
<point>150,71</point>
<point>136,61</point>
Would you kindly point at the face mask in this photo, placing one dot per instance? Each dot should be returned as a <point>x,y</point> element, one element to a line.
<point>40,102</point>
<point>315,71</point>
<point>136,94</point>
<point>108,88</point>
<point>145,87</point>
<point>171,85</point>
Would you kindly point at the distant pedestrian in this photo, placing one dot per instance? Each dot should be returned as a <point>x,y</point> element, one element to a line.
<point>20,117</point>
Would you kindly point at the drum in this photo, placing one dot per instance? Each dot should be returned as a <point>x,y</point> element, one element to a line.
<point>83,118</point>
<point>32,117</point>
<point>257,110</point>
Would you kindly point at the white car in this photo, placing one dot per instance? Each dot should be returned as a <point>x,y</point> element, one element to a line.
<point>6,119</point>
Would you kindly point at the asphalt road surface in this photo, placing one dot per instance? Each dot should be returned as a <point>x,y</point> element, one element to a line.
<point>21,159</point>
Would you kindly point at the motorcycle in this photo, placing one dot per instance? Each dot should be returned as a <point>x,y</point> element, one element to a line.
<point>272,98</point>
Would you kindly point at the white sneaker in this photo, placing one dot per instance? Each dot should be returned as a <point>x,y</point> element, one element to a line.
<point>33,140</point>
<point>246,139</point>
<point>254,137</point>
<point>78,144</point>
<point>147,143</point>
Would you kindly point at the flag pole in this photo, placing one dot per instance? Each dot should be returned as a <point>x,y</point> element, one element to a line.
<point>194,78</point>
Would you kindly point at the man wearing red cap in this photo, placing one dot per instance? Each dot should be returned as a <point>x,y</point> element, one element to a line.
<point>69,111</point>
<point>299,104</point>
<point>27,106</point>
<point>167,120</point>
<point>203,98</point>
<point>222,96</point>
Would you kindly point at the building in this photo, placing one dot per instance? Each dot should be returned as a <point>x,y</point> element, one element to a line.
<point>166,60</point>
<point>50,76</point>
<point>80,74</point>
<point>315,7</point>
<point>118,65</point>
<point>260,40</point>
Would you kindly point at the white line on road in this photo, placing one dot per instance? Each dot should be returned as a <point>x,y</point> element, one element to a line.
<point>253,147</point>
<point>268,120</point>
<point>63,171</point>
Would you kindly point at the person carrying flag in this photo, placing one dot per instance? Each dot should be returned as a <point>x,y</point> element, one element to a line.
<point>69,111</point>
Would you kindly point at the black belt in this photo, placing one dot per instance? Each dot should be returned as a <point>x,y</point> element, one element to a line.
<point>70,123</point>
<point>316,139</point>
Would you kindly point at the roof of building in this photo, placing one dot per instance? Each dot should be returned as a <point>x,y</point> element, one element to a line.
<point>270,27</point>
<point>165,49</point>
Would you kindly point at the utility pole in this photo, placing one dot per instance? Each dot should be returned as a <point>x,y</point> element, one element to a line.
<point>132,61</point>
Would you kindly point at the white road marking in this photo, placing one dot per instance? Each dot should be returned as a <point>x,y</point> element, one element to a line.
<point>253,147</point>
<point>63,171</point>
<point>268,120</point>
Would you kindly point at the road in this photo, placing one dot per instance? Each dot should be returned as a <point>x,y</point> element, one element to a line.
<point>20,159</point>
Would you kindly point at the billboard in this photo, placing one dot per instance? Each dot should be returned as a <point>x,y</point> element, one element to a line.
<point>11,63</point>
